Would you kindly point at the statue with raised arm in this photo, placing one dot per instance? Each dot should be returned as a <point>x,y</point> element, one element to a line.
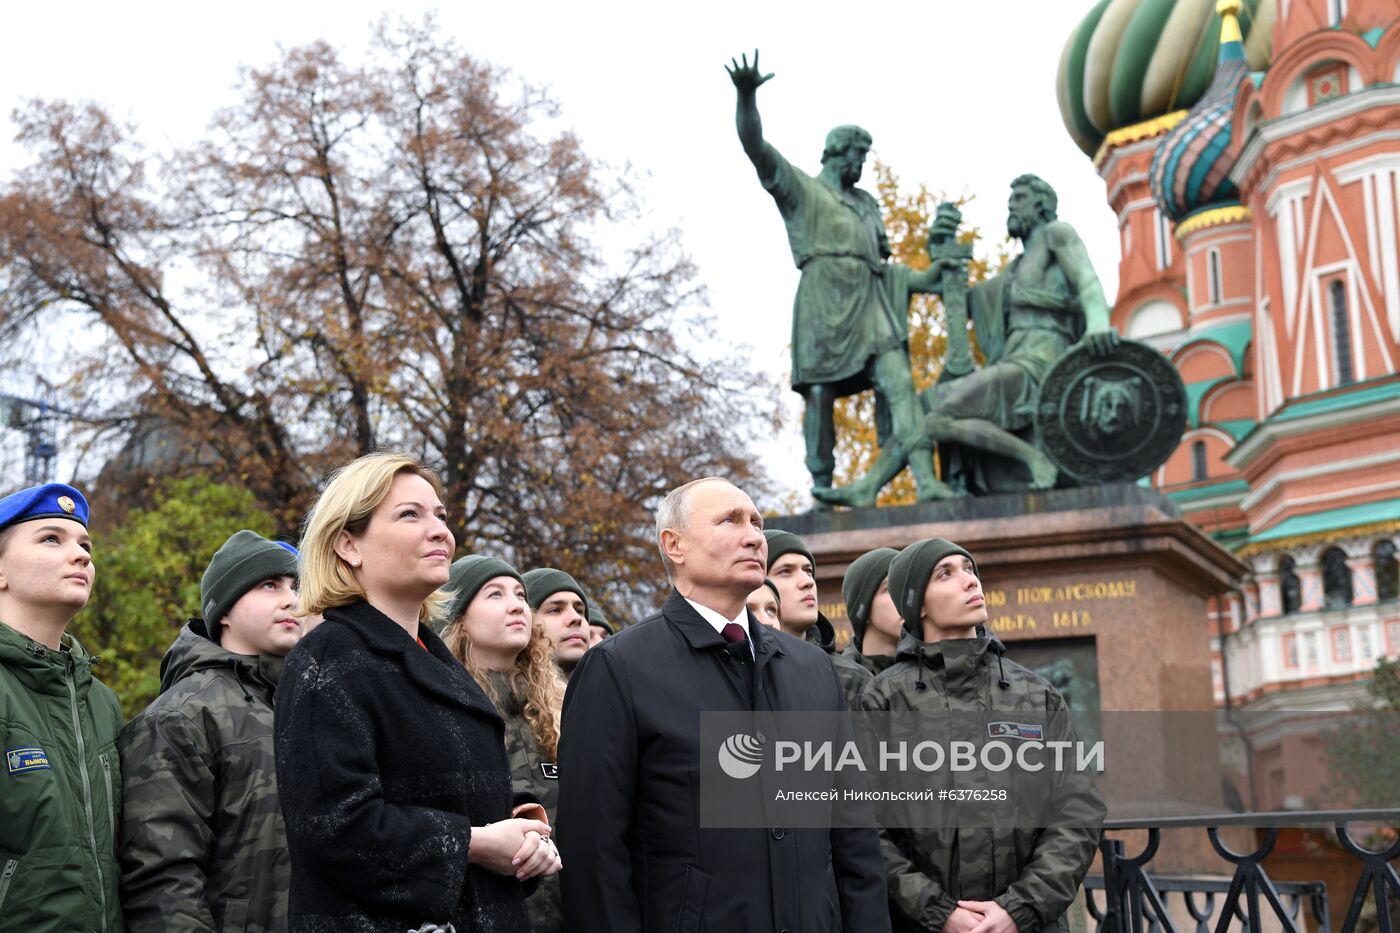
<point>850,319</point>
<point>1046,303</point>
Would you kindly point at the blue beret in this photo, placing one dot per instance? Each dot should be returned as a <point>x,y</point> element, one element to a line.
<point>51,500</point>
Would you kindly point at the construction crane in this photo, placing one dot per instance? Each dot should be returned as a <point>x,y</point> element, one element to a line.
<point>37,418</point>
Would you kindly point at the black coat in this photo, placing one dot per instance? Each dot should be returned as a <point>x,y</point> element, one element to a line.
<point>635,857</point>
<point>387,755</point>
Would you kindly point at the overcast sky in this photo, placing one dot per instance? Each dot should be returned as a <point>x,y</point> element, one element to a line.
<point>959,96</point>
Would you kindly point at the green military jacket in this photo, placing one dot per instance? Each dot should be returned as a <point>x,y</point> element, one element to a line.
<point>535,777</point>
<point>876,664</point>
<point>203,845</point>
<point>60,789</point>
<point>1032,873</point>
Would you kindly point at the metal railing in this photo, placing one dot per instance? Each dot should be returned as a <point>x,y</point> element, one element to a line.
<point>1135,901</point>
<point>1199,896</point>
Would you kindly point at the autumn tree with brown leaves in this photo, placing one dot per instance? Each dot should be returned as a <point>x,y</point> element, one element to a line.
<point>383,254</point>
<point>907,218</point>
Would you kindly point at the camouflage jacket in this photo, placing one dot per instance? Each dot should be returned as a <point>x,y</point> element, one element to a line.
<point>875,664</point>
<point>60,789</point>
<point>203,846</point>
<point>1032,873</point>
<point>532,777</point>
<point>854,677</point>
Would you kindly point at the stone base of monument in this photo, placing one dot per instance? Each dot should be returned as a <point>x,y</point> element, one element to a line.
<point>1109,579</point>
<point>1103,590</point>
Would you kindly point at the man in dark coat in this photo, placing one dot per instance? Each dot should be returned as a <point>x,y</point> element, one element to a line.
<point>629,802</point>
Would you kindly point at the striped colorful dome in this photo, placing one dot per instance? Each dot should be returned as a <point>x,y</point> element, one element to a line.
<point>1190,167</point>
<point>1132,60</point>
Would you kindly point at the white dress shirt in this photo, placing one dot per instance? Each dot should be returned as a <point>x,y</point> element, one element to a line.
<point>719,621</point>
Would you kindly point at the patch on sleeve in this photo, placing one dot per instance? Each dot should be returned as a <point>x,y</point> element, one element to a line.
<point>1015,730</point>
<point>20,760</point>
<point>550,770</point>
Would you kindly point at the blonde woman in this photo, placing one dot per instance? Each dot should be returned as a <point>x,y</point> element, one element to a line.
<point>493,635</point>
<point>391,761</point>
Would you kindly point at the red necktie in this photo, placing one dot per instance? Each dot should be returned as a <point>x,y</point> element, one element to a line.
<point>734,632</point>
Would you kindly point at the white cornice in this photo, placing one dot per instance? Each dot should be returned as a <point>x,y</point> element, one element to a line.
<point>1355,171</point>
<point>1258,523</point>
<point>1198,247</point>
<point>1357,142</point>
<point>1133,207</point>
<point>1215,502</point>
<point>1269,432</point>
<point>1258,494</point>
<point>1204,328</point>
<point>1131,178</point>
<point>1122,152</point>
<point>1299,187</point>
<point>1377,95</point>
<point>1243,302</point>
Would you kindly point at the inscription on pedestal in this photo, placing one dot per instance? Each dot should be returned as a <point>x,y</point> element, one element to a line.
<point>1058,609</point>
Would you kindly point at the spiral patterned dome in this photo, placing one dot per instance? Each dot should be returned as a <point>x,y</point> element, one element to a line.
<point>1133,60</point>
<point>1190,168</point>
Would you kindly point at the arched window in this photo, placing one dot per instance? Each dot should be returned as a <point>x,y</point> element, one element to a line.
<point>1198,460</point>
<point>1289,587</point>
<point>1341,331</point>
<point>1164,240</point>
<point>1213,272</point>
<point>1336,580</point>
<point>1387,570</point>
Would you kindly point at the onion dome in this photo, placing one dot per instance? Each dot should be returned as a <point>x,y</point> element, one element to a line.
<point>1190,169</point>
<point>1129,61</point>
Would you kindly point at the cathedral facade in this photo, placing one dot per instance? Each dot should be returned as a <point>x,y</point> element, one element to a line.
<point>1251,152</point>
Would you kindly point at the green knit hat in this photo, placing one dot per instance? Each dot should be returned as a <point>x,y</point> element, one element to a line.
<point>909,576</point>
<point>596,617</point>
<point>244,561</point>
<point>466,578</point>
<point>543,582</point>
<point>785,542</point>
<point>859,585</point>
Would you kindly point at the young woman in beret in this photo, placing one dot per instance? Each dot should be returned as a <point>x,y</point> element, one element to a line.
<point>60,786</point>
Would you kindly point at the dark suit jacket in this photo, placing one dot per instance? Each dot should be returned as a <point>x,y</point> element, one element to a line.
<point>635,857</point>
<point>387,755</point>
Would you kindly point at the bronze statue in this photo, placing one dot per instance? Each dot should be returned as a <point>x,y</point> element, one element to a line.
<point>1047,302</point>
<point>850,323</point>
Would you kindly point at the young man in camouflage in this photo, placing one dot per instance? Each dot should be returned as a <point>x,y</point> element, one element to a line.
<point>875,622</point>
<point>203,846</point>
<point>792,568</point>
<point>59,781</point>
<point>972,879</point>
<point>561,606</point>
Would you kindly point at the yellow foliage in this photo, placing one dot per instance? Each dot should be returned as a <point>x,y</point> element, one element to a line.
<point>907,217</point>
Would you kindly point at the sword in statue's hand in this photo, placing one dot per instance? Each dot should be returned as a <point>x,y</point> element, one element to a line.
<point>943,246</point>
